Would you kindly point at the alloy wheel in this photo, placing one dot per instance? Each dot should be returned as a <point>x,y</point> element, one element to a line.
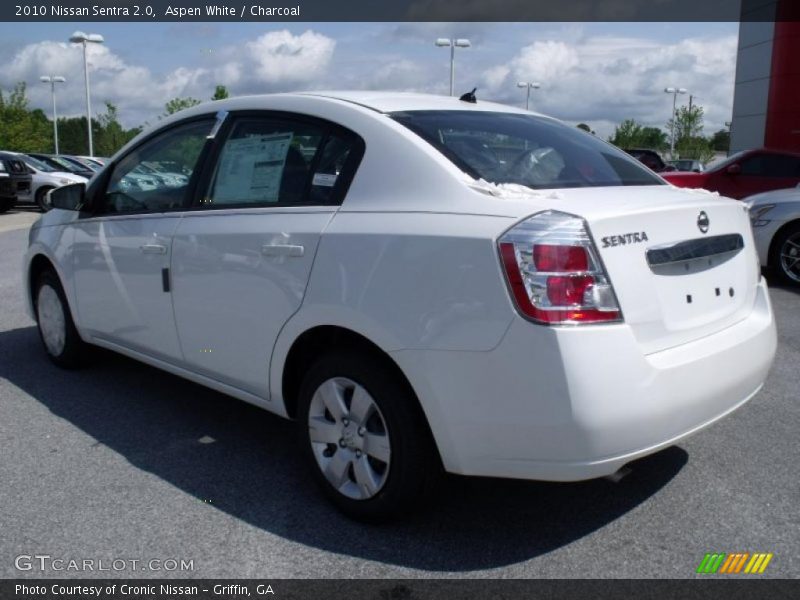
<point>349,438</point>
<point>790,257</point>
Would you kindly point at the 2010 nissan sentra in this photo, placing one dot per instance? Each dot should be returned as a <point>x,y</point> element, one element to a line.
<point>422,283</point>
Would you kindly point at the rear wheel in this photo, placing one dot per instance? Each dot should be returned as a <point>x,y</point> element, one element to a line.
<point>6,204</point>
<point>364,437</point>
<point>41,198</point>
<point>785,257</point>
<point>56,328</point>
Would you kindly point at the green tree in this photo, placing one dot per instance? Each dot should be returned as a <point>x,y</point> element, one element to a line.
<point>220,93</point>
<point>721,140</point>
<point>21,129</point>
<point>695,147</point>
<point>655,138</point>
<point>111,136</point>
<point>688,122</point>
<point>177,104</point>
<point>72,137</point>
<point>630,134</point>
<point>689,140</point>
<point>627,134</point>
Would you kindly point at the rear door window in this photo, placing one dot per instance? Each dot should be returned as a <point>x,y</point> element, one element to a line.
<point>280,161</point>
<point>265,161</point>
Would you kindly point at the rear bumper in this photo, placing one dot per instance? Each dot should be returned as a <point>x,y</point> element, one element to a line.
<point>568,404</point>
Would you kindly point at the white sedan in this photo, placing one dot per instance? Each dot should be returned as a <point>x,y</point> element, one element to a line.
<point>775,217</point>
<point>422,283</point>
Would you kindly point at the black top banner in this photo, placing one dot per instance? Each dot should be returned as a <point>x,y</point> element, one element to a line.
<point>399,10</point>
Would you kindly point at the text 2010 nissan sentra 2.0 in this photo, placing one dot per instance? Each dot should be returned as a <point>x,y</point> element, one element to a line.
<point>420,282</point>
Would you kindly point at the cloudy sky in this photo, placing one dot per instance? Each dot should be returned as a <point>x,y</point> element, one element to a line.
<point>598,73</point>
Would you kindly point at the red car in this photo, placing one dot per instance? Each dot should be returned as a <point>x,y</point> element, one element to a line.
<point>744,174</point>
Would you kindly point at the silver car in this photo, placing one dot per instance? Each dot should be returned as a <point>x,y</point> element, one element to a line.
<point>43,179</point>
<point>775,217</point>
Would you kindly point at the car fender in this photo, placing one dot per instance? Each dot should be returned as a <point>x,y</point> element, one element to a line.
<point>54,244</point>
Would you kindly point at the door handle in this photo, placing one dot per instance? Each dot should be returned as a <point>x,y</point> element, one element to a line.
<point>153,249</point>
<point>283,250</point>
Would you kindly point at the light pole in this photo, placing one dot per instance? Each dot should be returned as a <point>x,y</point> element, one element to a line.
<point>453,44</point>
<point>674,91</point>
<point>529,85</point>
<point>53,80</point>
<point>80,37</point>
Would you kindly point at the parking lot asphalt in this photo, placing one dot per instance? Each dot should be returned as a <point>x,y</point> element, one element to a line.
<point>122,461</point>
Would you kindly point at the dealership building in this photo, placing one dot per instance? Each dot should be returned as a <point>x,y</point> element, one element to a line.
<point>766,103</point>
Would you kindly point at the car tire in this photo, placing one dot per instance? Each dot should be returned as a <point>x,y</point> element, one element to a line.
<point>785,249</point>
<point>365,438</point>
<point>41,198</point>
<point>57,330</point>
<point>6,204</point>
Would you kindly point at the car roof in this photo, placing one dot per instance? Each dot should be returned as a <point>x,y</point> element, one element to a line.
<point>380,102</point>
<point>388,102</point>
<point>768,150</point>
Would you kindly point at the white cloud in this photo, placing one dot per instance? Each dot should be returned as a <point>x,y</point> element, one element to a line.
<point>496,76</point>
<point>274,60</point>
<point>602,80</point>
<point>597,79</point>
<point>279,56</point>
<point>545,61</point>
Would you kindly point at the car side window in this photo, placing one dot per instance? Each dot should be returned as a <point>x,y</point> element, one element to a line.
<point>333,167</point>
<point>265,161</point>
<point>771,165</point>
<point>155,176</point>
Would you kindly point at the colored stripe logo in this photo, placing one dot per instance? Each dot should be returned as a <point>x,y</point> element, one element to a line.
<point>731,564</point>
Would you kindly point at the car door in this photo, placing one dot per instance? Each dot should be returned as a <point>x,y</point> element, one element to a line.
<point>122,250</point>
<point>241,261</point>
<point>763,172</point>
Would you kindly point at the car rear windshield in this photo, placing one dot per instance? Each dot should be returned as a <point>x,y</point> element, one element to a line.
<point>536,152</point>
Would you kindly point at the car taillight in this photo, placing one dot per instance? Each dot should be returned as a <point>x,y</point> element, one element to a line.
<point>554,272</point>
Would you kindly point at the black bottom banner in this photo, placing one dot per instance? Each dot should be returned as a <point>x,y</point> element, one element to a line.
<point>396,589</point>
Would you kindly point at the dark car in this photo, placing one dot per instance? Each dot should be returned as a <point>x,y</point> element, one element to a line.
<point>746,173</point>
<point>649,158</point>
<point>63,163</point>
<point>687,165</point>
<point>15,178</point>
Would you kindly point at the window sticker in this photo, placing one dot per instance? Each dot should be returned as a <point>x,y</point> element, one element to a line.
<point>324,179</point>
<point>251,168</point>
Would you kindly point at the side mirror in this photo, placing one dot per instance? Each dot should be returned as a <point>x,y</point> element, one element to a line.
<point>67,197</point>
<point>733,169</point>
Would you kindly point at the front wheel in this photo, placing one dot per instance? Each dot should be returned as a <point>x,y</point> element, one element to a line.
<point>6,204</point>
<point>61,340</point>
<point>785,257</point>
<point>365,438</point>
<point>41,198</point>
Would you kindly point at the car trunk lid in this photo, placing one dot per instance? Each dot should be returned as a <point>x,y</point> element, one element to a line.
<point>682,262</point>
